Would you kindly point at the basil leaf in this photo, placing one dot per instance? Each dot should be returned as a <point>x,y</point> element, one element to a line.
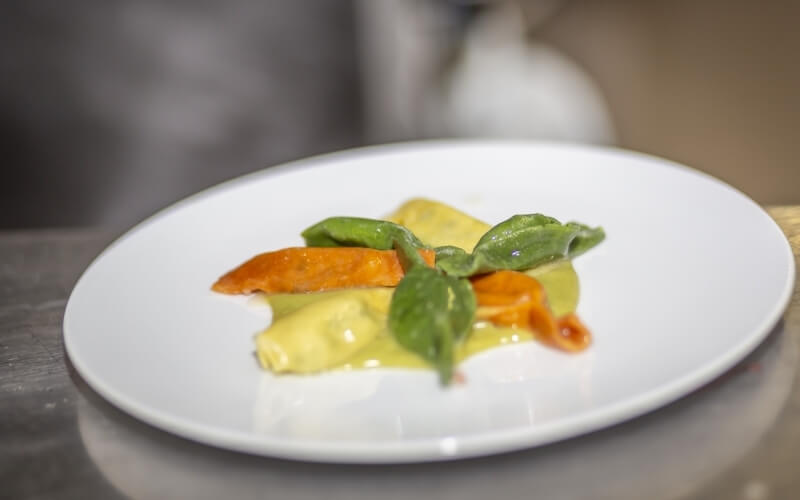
<point>448,252</point>
<point>430,313</point>
<point>586,239</point>
<point>408,255</point>
<point>358,232</point>
<point>522,242</point>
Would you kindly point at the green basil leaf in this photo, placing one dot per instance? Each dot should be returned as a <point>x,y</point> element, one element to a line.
<point>522,242</point>
<point>448,252</point>
<point>359,232</point>
<point>408,255</point>
<point>586,239</point>
<point>453,260</point>
<point>430,313</point>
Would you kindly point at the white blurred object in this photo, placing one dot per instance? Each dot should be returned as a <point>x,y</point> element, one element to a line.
<point>505,86</point>
<point>501,85</point>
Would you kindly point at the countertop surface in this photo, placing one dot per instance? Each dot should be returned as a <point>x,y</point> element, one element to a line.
<point>736,438</point>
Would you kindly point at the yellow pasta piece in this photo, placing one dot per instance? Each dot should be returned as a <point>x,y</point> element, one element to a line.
<point>437,224</point>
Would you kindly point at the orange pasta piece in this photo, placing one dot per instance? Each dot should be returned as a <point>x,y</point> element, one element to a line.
<point>510,298</point>
<point>312,269</point>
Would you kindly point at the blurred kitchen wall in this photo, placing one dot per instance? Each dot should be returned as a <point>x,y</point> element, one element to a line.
<point>714,84</point>
<point>112,109</point>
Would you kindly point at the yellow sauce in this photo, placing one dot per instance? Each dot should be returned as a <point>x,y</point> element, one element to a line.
<point>385,352</point>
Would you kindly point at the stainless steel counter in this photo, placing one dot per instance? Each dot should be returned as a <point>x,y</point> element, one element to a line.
<point>737,438</point>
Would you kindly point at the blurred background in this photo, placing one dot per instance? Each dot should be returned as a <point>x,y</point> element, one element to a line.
<point>112,109</point>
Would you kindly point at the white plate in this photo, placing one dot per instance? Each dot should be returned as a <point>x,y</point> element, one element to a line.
<point>691,277</point>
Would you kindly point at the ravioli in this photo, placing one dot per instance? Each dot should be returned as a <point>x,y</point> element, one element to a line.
<point>347,329</point>
<point>438,224</point>
<point>314,335</point>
